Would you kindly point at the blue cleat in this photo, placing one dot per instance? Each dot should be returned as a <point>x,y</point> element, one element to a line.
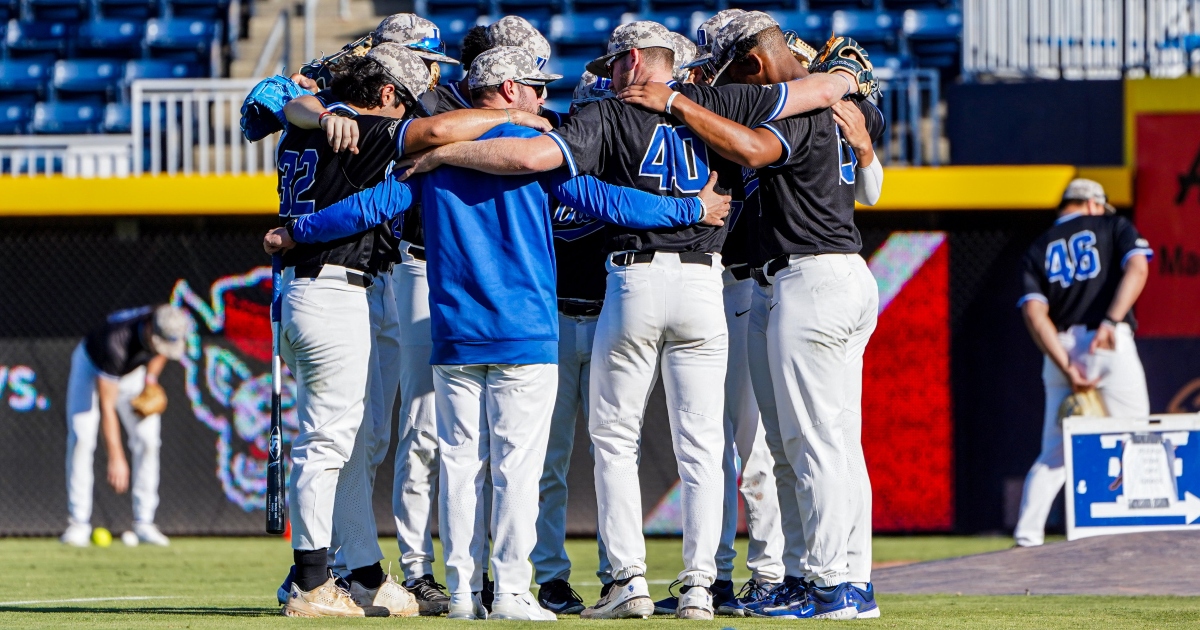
<point>723,597</point>
<point>752,592</point>
<point>668,605</point>
<point>284,589</point>
<point>788,600</point>
<point>833,602</point>
<point>864,601</point>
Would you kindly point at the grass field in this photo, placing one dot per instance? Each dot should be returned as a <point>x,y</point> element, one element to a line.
<point>230,583</point>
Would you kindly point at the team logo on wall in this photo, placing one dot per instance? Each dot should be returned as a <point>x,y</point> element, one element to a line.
<point>228,379</point>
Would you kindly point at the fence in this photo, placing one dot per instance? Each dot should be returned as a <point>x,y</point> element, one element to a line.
<point>1080,39</point>
<point>911,104</point>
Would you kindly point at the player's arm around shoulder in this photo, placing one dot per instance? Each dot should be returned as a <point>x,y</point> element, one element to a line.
<point>497,156</point>
<point>463,125</point>
<point>354,214</point>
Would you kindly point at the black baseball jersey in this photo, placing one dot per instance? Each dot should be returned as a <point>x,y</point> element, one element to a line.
<point>629,146</point>
<point>806,200</point>
<point>117,348</point>
<point>312,176</point>
<point>1076,266</point>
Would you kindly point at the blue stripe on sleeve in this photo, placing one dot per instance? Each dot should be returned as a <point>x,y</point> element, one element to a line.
<point>779,105</point>
<point>787,148</point>
<point>566,151</point>
<point>400,135</point>
<point>1032,297</point>
<point>1148,253</point>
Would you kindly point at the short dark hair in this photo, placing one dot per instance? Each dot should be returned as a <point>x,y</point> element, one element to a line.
<point>474,43</point>
<point>658,55</point>
<point>480,93</point>
<point>767,38</point>
<point>359,81</point>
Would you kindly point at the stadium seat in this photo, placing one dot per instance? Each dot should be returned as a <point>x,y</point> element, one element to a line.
<point>110,37</point>
<point>15,115</point>
<point>210,9</point>
<point>679,21</point>
<point>160,69</point>
<point>830,5</point>
<point>463,9</point>
<point>899,5</point>
<point>813,28</point>
<point>868,27</point>
<point>137,9</point>
<point>887,64</point>
<point>932,25</point>
<point>454,27</point>
<point>678,6</point>
<point>570,67</point>
<point>118,118</point>
<point>166,34</point>
<point>9,9</point>
<point>69,10</point>
<point>582,28</point>
<point>767,5</point>
<point>86,76</point>
<point>611,8</point>
<point>19,76</point>
<point>34,36</point>
<point>75,117</point>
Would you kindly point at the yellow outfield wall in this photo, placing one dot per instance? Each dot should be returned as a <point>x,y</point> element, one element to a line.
<point>904,189</point>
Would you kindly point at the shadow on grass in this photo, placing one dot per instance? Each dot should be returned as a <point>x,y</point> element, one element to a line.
<point>147,610</point>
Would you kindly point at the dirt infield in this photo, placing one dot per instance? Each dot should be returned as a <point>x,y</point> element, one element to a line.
<point>1154,563</point>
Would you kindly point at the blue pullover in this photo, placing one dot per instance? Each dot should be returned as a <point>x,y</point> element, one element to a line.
<point>489,249</point>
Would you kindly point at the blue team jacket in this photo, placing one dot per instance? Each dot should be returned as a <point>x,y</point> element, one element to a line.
<point>489,249</point>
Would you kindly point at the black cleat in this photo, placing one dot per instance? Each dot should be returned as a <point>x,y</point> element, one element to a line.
<point>488,595</point>
<point>431,596</point>
<point>558,597</point>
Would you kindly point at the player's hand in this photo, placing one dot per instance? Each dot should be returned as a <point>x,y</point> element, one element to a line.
<point>652,96</point>
<point>533,121</point>
<point>419,162</point>
<point>1079,382</point>
<point>853,125</point>
<point>716,205</point>
<point>1104,339</point>
<point>342,133</point>
<point>118,473</point>
<point>304,82</point>
<point>278,240</point>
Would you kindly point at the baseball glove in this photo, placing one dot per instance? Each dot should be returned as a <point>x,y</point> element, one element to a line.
<point>152,400</point>
<point>843,53</point>
<point>1087,403</point>
<point>262,111</point>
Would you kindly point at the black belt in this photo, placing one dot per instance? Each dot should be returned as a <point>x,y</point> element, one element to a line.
<point>778,264</point>
<point>740,272</point>
<point>624,259</point>
<point>579,308</point>
<point>759,276</point>
<point>353,276</point>
<point>416,251</point>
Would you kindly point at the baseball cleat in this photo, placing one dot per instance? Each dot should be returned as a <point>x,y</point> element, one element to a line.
<point>466,606</point>
<point>723,597</point>
<point>519,607</point>
<point>695,602</point>
<point>627,599</point>
<point>864,601</point>
<point>668,605</point>
<point>148,533</point>
<point>752,591</point>
<point>833,602</point>
<point>327,600</point>
<point>431,596</point>
<point>788,600</point>
<point>390,595</point>
<point>557,596</point>
<point>488,594</point>
<point>284,589</point>
<point>77,535</point>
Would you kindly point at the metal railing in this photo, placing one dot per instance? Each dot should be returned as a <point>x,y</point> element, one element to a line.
<point>1080,39</point>
<point>911,105</point>
<point>73,156</point>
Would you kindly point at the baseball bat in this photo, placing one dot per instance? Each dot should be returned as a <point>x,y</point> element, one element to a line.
<point>276,514</point>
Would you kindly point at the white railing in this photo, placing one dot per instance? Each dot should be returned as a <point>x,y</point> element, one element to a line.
<point>910,103</point>
<point>1080,39</point>
<point>73,156</point>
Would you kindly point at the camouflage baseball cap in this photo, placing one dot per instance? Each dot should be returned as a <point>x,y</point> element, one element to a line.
<point>685,52</point>
<point>513,30</point>
<point>507,63</point>
<point>641,34</point>
<point>404,66</point>
<point>591,88</point>
<point>748,24</point>
<point>1081,189</point>
<point>707,34</point>
<point>415,33</point>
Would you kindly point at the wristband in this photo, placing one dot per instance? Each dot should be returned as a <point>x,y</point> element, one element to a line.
<point>669,100</point>
<point>703,210</point>
<point>851,85</point>
<point>290,226</point>
<point>321,118</point>
<point>1108,322</point>
<point>507,114</point>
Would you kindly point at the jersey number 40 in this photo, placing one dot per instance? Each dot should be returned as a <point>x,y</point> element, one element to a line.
<point>1073,260</point>
<point>677,158</point>
<point>296,175</point>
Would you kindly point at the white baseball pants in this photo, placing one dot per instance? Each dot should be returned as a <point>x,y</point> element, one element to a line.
<point>416,474</point>
<point>1122,385</point>
<point>497,418</point>
<point>83,428</point>
<point>745,439</point>
<point>326,341</point>
<point>355,537</point>
<point>825,310</point>
<point>662,316</point>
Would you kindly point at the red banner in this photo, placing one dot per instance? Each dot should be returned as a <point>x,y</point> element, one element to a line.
<point>1167,212</point>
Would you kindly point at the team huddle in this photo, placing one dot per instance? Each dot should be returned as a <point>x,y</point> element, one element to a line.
<point>495,269</point>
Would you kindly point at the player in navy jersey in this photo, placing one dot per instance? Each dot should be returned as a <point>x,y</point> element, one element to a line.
<point>1081,279</point>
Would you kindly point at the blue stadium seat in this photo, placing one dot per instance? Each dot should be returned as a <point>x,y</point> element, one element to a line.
<point>160,69</point>
<point>932,24</point>
<point>86,76</point>
<point>210,9</point>
<point>15,115</point>
<point>887,64</point>
<point>767,5</point>
<point>612,8</point>
<point>111,37</point>
<point>679,21</point>
<point>35,36</point>
<point>899,5</point>
<point>679,6</point>
<point>75,117</point>
<point>454,27</point>
<point>868,27</point>
<point>18,76</point>
<point>166,34</point>
<point>830,5</point>
<point>582,28</point>
<point>56,9</point>
<point>118,118</point>
<point>9,9</point>
<point>570,67</point>
<point>813,28</point>
<point>137,9</point>
<point>463,9</point>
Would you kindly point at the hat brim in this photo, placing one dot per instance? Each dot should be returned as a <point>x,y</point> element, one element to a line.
<point>173,350</point>
<point>697,62</point>
<point>722,77</point>
<point>544,77</point>
<point>599,65</point>
<point>438,57</point>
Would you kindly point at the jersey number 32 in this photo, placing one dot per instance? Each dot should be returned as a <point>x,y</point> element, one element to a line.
<point>296,175</point>
<point>1073,260</point>
<point>677,158</point>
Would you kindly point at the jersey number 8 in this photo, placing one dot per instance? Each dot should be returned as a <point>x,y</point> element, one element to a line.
<point>1074,259</point>
<point>677,158</point>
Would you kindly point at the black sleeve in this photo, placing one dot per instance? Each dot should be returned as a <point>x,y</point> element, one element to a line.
<point>377,148</point>
<point>584,139</point>
<point>876,125</point>
<point>793,133</point>
<point>1033,275</point>
<point>1128,242</point>
<point>749,105</point>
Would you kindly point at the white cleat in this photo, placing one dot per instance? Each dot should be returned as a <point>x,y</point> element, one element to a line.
<point>467,606</point>
<point>390,595</point>
<point>628,600</point>
<point>520,607</point>
<point>327,600</point>
<point>695,603</point>
<point>148,533</point>
<point>77,535</point>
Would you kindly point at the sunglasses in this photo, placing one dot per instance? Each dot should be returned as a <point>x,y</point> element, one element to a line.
<point>540,88</point>
<point>612,60</point>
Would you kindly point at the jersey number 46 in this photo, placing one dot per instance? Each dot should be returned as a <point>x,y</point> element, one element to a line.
<point>677,158</point>
<point>1073,260</point>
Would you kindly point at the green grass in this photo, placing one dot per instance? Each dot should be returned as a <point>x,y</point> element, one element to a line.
<point>230,583</point>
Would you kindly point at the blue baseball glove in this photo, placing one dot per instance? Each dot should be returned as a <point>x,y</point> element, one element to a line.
<point>262,111</point>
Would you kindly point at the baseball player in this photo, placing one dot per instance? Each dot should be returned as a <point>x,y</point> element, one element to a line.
<point>662,301</point>
<point>114,382</point>
<point>512,336</point>
<point>685,53</point>
<point>1081,279</point>
<point>806,184</point>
